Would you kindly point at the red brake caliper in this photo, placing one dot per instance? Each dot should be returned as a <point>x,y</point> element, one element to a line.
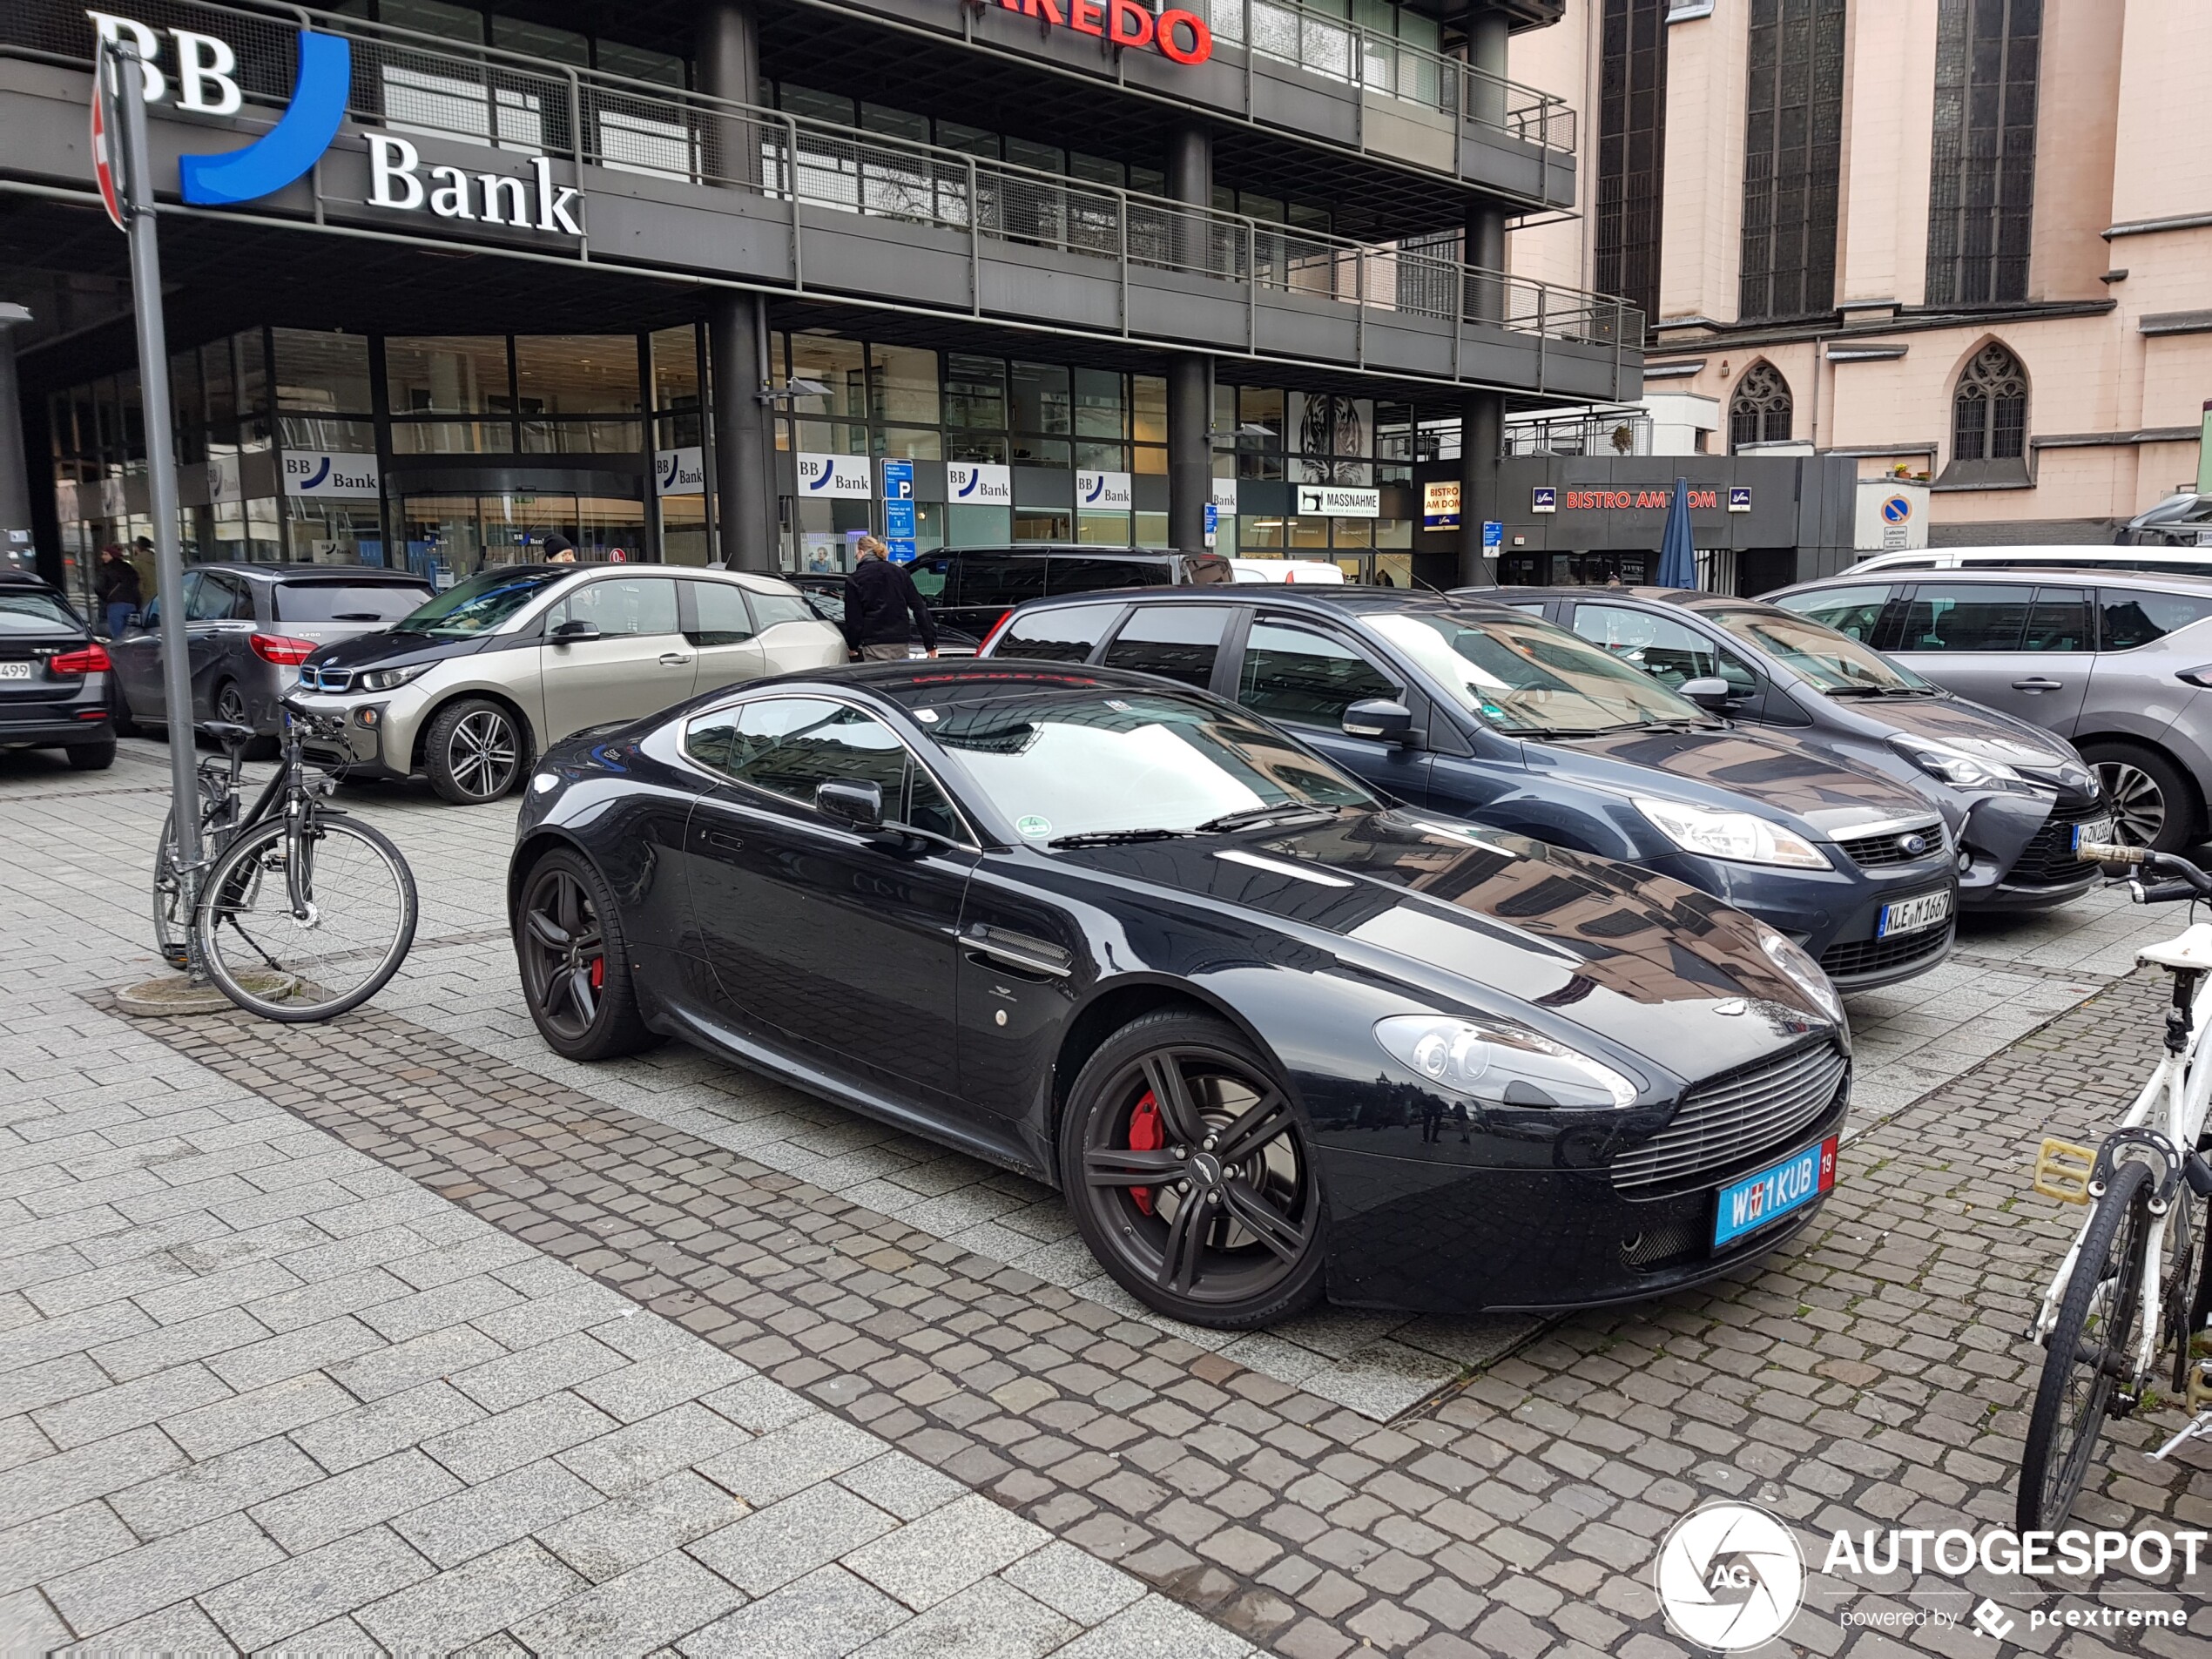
<point>1145,1134</point>
<point>598,973</point>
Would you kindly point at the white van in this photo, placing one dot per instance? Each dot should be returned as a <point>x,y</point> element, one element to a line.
<point>1288,570</point>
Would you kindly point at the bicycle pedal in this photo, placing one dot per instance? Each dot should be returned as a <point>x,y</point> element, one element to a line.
<point>2062,1171</point>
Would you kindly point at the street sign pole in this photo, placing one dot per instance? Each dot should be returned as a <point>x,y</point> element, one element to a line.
<point>137,194</point>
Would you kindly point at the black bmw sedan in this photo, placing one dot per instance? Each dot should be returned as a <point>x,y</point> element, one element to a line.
<point>1274,1036</point>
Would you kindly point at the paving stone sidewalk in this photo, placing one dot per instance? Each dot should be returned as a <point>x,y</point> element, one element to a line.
<point>480,1294</point>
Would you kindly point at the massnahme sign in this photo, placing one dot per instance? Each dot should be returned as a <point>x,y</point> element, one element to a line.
<point>202,71</point>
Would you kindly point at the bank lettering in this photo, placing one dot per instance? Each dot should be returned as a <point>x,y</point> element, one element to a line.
<point>398,180</point>
<point>1176,34</point>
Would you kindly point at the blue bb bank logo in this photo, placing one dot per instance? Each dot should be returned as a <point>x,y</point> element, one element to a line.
<point>294,145</point>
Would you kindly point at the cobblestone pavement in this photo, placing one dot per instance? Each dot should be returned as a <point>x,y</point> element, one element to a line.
<point>383,1333</point>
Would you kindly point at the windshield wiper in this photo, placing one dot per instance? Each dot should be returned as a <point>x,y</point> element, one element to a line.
<point>1114,838</point>
<point>1882,690</point>
<point>1253,817</point>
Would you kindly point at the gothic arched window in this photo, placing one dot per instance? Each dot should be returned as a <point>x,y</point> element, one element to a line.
<point>1760,411</point>
<point>1989,408</point>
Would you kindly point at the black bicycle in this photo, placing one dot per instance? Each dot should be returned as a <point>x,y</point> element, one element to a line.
<point>302,912</point>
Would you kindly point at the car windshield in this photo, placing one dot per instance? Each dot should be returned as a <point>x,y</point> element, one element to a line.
<point>28,612</point>
<point>1067,763</point>
<point>480,603</point>
<point>348,601</point>
<point>1831,661</point>
<point>1523,675</point>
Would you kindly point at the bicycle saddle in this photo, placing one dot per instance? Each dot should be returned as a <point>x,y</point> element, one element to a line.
<point>228,733</point>
<point>2192,949</point>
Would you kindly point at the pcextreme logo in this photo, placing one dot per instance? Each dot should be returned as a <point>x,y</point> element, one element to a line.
<point>205,70</point>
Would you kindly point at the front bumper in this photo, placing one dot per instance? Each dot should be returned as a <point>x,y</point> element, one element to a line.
<point>363,749</point>
<point>1834,914</point>
<point>1453,1238</point>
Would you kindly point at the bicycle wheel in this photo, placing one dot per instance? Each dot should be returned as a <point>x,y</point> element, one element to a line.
<point>360,919</point>
<point>2090,1348</point>
<point>170,925</point>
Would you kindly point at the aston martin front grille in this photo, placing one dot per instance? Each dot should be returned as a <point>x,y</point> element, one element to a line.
<point>1734,1120</point>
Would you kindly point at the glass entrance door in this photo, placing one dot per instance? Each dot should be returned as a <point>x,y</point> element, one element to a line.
<point>448,536</point>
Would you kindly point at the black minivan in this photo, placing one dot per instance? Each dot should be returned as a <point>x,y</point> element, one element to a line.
<point>972,589</point>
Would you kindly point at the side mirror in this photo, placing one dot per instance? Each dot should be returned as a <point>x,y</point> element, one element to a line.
<point>575,631</point>
<point>1380,717</point>
<point>1710,693</point>
<point>857,806</point>
<point>136,619</point>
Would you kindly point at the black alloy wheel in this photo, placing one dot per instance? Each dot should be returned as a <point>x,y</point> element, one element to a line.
<point>473,752</point>
<point>230,704</point>
<point>1189,1174</point>
<point>576,973</point>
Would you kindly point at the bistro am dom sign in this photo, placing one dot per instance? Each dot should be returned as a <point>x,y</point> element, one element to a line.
<point>1180,35</point>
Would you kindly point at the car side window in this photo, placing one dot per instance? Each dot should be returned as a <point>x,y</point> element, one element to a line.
<point>999,578</point>
<point>1097,576</point>
<point>1855,610</point>
<point>719,608</point>
<point>771,609</point>
<point>1177,642</point>
<point>931,577</point>
<point>2133,617</point>
<point>2059,620</point>
<point>1671,652</point>
<point>791,746</point>
<point>1305,678</point>
<point>212,599</point>
<point>1057,634</point>
<point>620,607</point>
<point>1966,617</point>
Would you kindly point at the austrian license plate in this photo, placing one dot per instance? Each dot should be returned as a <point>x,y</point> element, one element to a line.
<point>15,671</point>
<point>2097,829</point>
<point>1914,916</point>
<point>1750,1203</point>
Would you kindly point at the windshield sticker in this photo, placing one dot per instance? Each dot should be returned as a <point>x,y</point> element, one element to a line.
<point>1032,827</point>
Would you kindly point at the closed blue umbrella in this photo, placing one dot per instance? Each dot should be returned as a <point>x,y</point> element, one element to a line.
<point>1677,557</point>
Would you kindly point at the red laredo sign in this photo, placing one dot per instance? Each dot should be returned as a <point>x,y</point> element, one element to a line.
<point>1617,500</point>
<point>1180,35</point>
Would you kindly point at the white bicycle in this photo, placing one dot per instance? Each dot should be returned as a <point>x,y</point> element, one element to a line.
<point>2102,1335</point>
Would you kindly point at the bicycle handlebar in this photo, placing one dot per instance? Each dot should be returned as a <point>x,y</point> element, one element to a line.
<point>2188,882</point>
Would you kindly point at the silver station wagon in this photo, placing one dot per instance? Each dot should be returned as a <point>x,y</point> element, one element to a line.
<point>468,688</point>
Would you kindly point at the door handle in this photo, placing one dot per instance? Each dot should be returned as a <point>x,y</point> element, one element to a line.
<point>673,659</point>
<point>732,843</point>
<point>2036,682</point>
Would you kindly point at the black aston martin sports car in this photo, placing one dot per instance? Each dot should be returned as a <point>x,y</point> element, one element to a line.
<point>1274,1036</point>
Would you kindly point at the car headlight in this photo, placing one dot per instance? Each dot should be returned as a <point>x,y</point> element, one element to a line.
<point>1500,1063</point>
<point>1797,966</point>
<point>389,679</point>
<point>1743,838</point>
<point>1957,766</point>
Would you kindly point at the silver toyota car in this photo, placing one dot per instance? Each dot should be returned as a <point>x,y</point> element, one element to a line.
<point>481,679</point>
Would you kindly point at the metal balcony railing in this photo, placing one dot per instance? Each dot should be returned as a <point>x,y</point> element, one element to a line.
<point>1388,67</point>
<point>413,84</point>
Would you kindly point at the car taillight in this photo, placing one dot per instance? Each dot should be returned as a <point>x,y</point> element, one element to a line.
<point>997,628</point>
<point>282,650</point>
<point>89,659</point>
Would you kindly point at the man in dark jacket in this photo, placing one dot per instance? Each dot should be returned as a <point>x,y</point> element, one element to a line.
<point>879,599</point>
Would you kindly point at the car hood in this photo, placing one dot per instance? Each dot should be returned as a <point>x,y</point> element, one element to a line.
<point>385,648</point>
<point>1656,970</point>
<point>1728,768</point>
<point>1982,732</point>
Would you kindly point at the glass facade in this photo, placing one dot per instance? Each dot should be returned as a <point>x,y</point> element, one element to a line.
<point>460,450</point>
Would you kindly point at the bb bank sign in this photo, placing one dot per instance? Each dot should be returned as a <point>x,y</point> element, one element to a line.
<point>198,72</point>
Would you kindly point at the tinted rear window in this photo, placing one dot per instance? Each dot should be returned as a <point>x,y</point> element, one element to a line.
<point>26,611</point>
<point>2133,617</point>
<point>1093,575</point>
<point>999,578</point>
<point>348,601</point>
<point>1058,633</point>
<point>1966,617</point>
